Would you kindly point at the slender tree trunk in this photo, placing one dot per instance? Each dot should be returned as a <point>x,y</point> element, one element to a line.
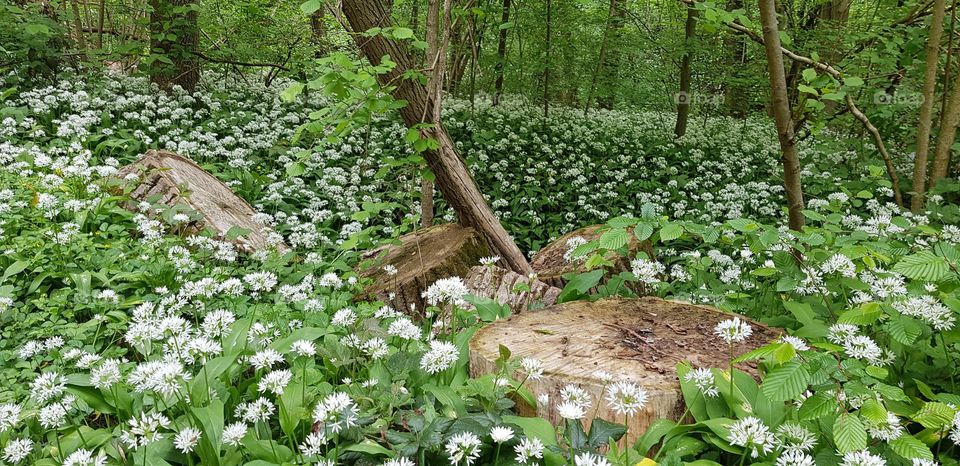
<point>318,32</point>
<point>415,16</point>
<point>100,23</point>
<point>453,177</point>
<point>947,135</point>
<point>684,97</point>
<point>781,114</point>
<point>177,17</point>
<point>433,63</point>
<point>926,107</point>
<point>736,97</point>
<point>601,57</point>
<point>78,24</point>
<point>501,53</point>
<point>947,65</point>
<point>546,67</point>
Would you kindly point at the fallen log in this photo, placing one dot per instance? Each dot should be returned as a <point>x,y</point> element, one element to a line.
<point>402,271</point>
<point>168,178</point>
<point>520,292</point>
<point>640,340</point>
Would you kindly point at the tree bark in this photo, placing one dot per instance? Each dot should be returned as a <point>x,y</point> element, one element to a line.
<point>736,97</point>
<point>546,67</point>
<point>318,32</point>
<point>926,107</point>
<point>434,64</point>
<point>781,114</point>
<point>453,177</point>
<point>601,58</point>
<point>947,135</point>
<point>684,97</point>
<point>177,17</point>
<point>501,54</point>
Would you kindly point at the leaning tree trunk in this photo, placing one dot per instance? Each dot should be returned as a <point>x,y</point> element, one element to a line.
<point>948,134</point>
<point>781,114</point>
<point>684,97</point>
<point>452,176</point>
<point>926,107</point>
<point>175,18</point>
<point>501,53</point>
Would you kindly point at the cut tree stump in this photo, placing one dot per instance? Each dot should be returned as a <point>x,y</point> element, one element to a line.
<point>550,265</point>
<point>170,178</point>
<point>519,292</point>
<point>420,259</point>
<point>640,340</point>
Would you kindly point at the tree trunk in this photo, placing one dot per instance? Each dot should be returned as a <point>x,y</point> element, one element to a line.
<point>179,18</point>
<point>781,114</point>
<point>318,32</point>
<point>501,53</point>
<point>926,107</point>
<point>601,57</point>
<point>609,79</point>
<point>546,67</point>
<point>78,24</point>
<point>684,97</point>
<point>434,64</point>
<point>947,135</point>
<point>453,177</point>
<point>736,96</point>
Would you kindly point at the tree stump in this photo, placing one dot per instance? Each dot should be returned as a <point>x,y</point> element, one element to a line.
<point>640,340</point>
<point>171,179</point>
<point>417,261</point>
<point>506,287</point>
<point>550,264</point>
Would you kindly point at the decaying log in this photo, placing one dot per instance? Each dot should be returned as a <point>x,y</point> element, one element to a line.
<point>402,272</point>
<point>640,340</point>
<point>169,178</point>
<point>550,264</point>
<point>520,292</point>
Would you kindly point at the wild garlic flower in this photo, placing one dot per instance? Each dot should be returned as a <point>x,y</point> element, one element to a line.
<point>303,348</point>
<point>529,449</point>
<point>646,270</point>
<point>704,380</point>
<point>501,434</point>
<point>751,433</point>
<point>9,416</point>
<point>862,458</point>
<point>450,290</point>
<point>795,458</point>
<point>266,358</point>
<point>313,444</point>
<point>47,386</point>
<point>17,450</point>
<point>626,397</point>
<point>863,347</point>
<point>275,381</point>
<point>401,461</point>
<point>145,429</point>
<point>344,317</point>
<point>335,413</point>
<point>796,342</point>
<point>84,457</point>
<point>187,439</point>
<point>570,410</point>
<point>795,437</point>
<point>463,446</point>
<point>106,375</point>
<point>234,433</point>
<point>441,356</point>
<point>886,431</point>
<point>576,395</point>
<point>733,330</point>
<point>255,411</point>
<point>405,329</point>
<point>533,367</point>
<point>590,459</point>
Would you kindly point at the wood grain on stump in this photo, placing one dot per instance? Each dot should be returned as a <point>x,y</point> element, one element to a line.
<point>550,265</point>
<point>640,340</point>
<point>420,259</point>
<point>171,179</point>
<point>520,292</point>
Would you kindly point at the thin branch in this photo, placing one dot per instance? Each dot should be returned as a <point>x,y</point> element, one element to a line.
<point>240,63</point>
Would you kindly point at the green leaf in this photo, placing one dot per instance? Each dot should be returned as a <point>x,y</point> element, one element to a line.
<point>210,419</point>
<point>934,415</point>
<point>602,430</point>
<point>371,448</point>
<point>786,382</point>
<point>853,81</point>
<point>923,265</point>
<point>904,330</point>
<point>292,92</point>
<point>910,448</point>
<point>614,238</point>
<point>818,405</point>
<point>535,427</point>
<point>311,6</point>
<point>809,74</point>
<point>579,285</point>
<point>13,269</point>
<point>296,169</point>
<point>671,231</point>
<point>849,434</point>
<point>402,33</point>
<point>642,231</point>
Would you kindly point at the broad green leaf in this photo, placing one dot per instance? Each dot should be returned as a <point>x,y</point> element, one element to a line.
<point>849,434</point>
<point>786,381</point>
<point>923,265</point>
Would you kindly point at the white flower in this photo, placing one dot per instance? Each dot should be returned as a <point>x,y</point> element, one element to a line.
<point>626,397</point>
<point>335,413</point>
<point>9,416</point>
<point>577,395</point>
<point>589,459</point>
<point>647,271</point>
<point>304,348</point>
<point>47,386</point>
<point>275,381</point>
<point>528,449</point>
<point>401,461</point>
<point>839,333</point>
<point>313,444</point>
<point>187,439</point>
<point>450,290</point>
<point>405,329</point>
<point>501,434</point>
<point>796,342</point>
<point>145,429</point>
<point>17,450</point>
<point>862,347</point>
<point>53,416</point>
<point>489,261</point>
<point>233,433</point>
<point>886,431</point>
<point>862,458</point>
<point>441,356</point>
<point>265,359</point>
<point>570,410</point>
<point>258,410</point>
<point>83,457</point>
<point>733,330</point>
<point>533,367</point>
<point>795,437</point>
<point>750,432</point>
<point>390,270</point>
<point>795,458</point>
<point>463,446</point>
<point>344,317</point>
<point>704,380</point>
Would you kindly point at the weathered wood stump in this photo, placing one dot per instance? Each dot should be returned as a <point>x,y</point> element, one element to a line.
<point>550,264</point>
<point>171,179</point>
<point>402,272</point>
<point>640,340</point>
<point>519,292</point>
